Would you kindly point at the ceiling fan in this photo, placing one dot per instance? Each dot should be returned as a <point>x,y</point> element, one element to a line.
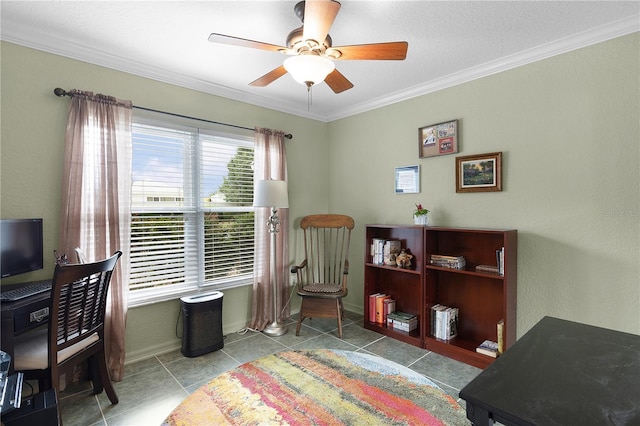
<point>311,49</point>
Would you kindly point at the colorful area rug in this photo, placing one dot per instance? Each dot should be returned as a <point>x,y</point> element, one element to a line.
<point>319,387</point>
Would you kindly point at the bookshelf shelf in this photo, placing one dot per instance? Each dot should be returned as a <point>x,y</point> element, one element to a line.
<point>413,338</point>
<point>395,269</point>
<point>483,298</point>
<point>466,271</point>
<point>454,348</point>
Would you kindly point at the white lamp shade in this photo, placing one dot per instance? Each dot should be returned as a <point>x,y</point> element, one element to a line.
<point>308,68</point>
<point>271,193</point>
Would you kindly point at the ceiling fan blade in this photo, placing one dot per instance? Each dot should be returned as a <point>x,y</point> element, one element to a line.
<point>269,77</point>
<point>318,18</point>
<point>338,82</point>
<point>396,50</point>
<point>237,41</point>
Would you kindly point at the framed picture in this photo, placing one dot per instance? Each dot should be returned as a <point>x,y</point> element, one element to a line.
<point>479,173</point>
<point>407,180</point>
<point>438,139</point>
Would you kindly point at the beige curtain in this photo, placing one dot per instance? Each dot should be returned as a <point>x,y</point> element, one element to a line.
<point>96,195</point>
<point>270,162</point>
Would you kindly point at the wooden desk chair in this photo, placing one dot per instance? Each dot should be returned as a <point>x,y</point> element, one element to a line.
<point>322,275</point>
<point>76,328</point>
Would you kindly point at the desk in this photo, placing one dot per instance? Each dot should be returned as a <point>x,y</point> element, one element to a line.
<point>40,409</point>
<point>20,316</point>
<point>560,373</point>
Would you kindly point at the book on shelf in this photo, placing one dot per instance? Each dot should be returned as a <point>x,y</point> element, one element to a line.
<point>434,312</point>
<point>489,348</point>
<point>377,250</point>
<point>403,326</point>
<point>391,249</point>
<point>488,268</point>
<point>453,262</point>
<point>372,307</point>
<point>452,326</point>
<point>500,260</point>
<point>402,316</point>
<point>448,325</point>
<point>500,330</point>
<point>389,307</point>
<point>402,321</point>
<point>380,314</point>
<point>444,322</point>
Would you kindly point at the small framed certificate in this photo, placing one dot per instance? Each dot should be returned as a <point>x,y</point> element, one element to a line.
<point>407,180</point>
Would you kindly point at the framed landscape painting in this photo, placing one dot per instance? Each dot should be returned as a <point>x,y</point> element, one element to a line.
<point>479,173</point>
<point>438,139</point>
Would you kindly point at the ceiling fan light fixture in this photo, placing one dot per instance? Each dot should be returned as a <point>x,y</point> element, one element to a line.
<point>309,69</point>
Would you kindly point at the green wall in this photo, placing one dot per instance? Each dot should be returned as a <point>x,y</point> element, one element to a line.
<point>33,124</point>
<point>568,127</point>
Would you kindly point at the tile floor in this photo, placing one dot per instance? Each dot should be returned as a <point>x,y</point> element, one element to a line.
<point>153,387</point>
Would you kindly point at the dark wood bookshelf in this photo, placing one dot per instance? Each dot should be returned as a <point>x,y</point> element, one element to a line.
<point>483,298</point>
<point>405,286</point>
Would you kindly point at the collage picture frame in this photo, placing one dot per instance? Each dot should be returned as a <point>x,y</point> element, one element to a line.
<point>438,139</point>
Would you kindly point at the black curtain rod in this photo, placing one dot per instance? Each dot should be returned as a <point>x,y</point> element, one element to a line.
<point>61,92</point>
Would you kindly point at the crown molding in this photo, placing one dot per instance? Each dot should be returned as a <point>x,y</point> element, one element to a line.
<point>558,47</point>
<point>27,37</point>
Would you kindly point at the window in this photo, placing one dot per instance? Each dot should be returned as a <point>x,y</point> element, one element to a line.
<point>192,218</point>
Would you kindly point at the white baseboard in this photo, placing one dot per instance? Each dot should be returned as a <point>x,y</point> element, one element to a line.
<point>228,328</point>
<point>355,308</point>
<point>151,351</point>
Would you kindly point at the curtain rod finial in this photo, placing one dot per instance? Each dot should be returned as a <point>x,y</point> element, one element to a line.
<point>60,92</point>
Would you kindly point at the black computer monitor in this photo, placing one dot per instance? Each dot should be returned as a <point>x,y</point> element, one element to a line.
<point>21,243</point>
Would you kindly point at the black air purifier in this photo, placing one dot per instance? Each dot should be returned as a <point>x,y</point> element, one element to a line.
<point>202,324</point>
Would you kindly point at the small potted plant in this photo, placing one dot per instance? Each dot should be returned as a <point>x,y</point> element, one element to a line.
<point>421,215</point>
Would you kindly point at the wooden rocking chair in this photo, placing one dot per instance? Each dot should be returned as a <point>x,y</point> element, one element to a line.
<point>322,275</point>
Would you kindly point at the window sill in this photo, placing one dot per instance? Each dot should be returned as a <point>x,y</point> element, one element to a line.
<point>152,296</point>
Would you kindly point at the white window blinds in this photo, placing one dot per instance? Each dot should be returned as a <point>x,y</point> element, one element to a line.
<point>192,213</point>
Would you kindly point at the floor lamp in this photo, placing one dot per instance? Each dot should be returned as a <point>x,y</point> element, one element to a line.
<point>273,193</point>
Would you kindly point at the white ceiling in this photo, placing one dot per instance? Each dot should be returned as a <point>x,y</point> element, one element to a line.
<point>449,42</point>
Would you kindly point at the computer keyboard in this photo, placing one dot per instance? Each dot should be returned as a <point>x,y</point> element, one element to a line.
<point>30,289</point>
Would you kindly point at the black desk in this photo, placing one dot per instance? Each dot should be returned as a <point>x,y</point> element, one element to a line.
<point>560,373</point>
<point>40,409</point>
<point>18,317</point>
<point>22,315</point>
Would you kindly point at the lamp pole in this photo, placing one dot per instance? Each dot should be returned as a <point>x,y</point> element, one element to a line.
<point>275,328</point>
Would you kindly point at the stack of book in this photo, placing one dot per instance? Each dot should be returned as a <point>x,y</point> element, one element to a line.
<point>380,305</point>
<point>377,251</point>
<point>402,321</point>
<point>444,322</point>
<point>384,252</point>
<point>454,262</point>
<point>489,348</point>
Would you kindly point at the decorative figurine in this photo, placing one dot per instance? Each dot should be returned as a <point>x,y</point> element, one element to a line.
<point>403,260</point>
